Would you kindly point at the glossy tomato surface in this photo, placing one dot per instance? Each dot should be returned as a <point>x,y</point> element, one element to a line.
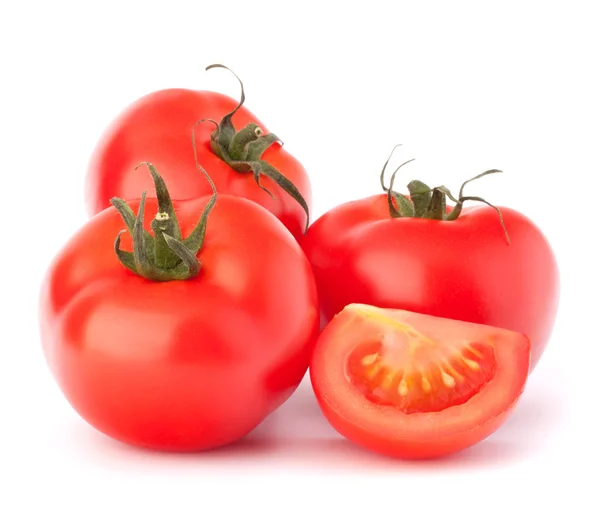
<point>414,386</point>
<point>462,269</point>
<point>158,128</point>
<point>181,365</point>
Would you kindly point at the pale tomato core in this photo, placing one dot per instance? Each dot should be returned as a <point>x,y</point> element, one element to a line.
<point>404,367</point>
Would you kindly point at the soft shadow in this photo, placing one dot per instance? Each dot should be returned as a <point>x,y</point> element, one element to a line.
<point>297,435</point>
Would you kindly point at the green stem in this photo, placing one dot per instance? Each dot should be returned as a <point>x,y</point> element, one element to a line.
<point>437,206</point>
<point>164,256</point>
<point>430,203</point>
<point>242,150</point>
<point>238,147</point>
<point>420,194</point>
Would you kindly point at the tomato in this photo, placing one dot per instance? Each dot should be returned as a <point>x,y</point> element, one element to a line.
<point>461,268</point>
<point>158,128</point>
<point>189,363</point>
<point>414,386</point>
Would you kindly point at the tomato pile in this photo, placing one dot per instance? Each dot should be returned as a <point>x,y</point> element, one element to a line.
<point>188,307</point>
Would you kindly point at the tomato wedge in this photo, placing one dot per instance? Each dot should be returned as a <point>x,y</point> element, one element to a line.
<point>411,385</point>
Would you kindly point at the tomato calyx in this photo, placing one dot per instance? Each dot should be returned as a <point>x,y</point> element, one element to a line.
<point>166,255</point>
<point>242,150</point>
<point>427,202</point>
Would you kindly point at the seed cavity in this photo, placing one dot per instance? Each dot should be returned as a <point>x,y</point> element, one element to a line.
<point>473,365</point>
<point>403,388</point>
<point>453,372</point>
<point>372,371</point>
<point>369,359</point>
<point>388,380</point>
<point>393,370</point>
<point>478,354</point>
<point>448,380</point>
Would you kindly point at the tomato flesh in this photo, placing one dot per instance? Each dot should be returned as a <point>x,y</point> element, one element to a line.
<point>416,386</point>
<point>420,387</point>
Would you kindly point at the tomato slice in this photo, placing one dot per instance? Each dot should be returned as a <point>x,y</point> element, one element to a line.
<point>411,385</point>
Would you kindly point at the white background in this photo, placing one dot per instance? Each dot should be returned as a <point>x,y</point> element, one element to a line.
<point>464,86</point>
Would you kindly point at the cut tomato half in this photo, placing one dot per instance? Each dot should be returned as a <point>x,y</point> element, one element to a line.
<point>416,386</point>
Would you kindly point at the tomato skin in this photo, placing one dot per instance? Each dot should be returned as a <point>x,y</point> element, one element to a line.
<point>181,365</point>
<point>158,128</point>
<point>387,430</point>
<point>412,450</point>
<point>462,269</point>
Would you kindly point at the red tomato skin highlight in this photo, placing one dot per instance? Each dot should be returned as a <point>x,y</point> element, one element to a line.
<point>158,128</point>
<point>181,365</point>
<point>462,269</point>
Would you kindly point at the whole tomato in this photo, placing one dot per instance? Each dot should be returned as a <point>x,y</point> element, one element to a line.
<point>481,264</point>
<point>234,147</point>
<point>186,338</point>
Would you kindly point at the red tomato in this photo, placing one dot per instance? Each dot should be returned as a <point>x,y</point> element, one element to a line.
<point>460,269</point>
<point>415,386</point>
<point>158,128</point>
<point>184,364</point>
